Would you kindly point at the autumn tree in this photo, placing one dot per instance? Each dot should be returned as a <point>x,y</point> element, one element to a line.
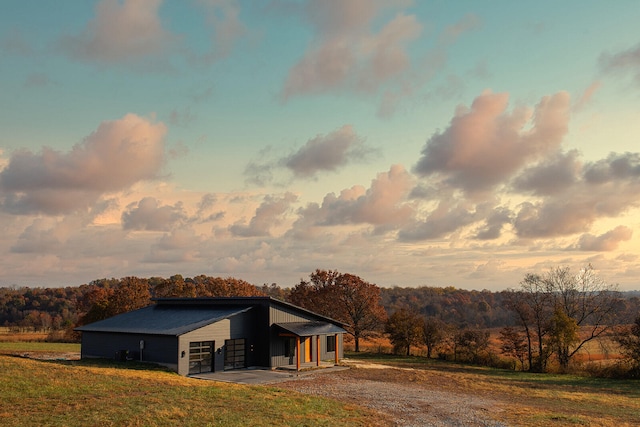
<point>433,333</point>
<point>405,329</point>
<point>629,341</point>
<point>343,297</point>
<point>513,344</point>
<point>470,344</point>
<point>552,307</point>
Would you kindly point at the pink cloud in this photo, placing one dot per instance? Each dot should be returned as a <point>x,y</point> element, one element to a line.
<point>223,18</point>
<point>608,241</point>
<point>485,145</point>
<point>383,205</point>
<point>149,214</point>
<point>268,214</point>
<point>327,152</point>
<point>114,157</point>
<point>120,32</point>
<point>346,53</point>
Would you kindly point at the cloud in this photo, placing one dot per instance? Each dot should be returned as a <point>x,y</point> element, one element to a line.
<point>614,168</point>
<point>269,214</point>
<point>602,189</point>
<point>148,214</point>
<point>14,42</point>
<point>494,224</point>
<point>179,246</point>
<point>327,153</point>
<point>552,175</point>
<point>121,31</point>
<point>608,241</point>
<point>485,145</point>
<point>346,53</point>
<point>626,61</point>
<point>452,32</point>
<point>448,217</point>
<point>36,80</point>
<point>114,157</point>
<point>223,17</point>
<point>587,96</point>
<point>382,205</point>
<point>324,153</point>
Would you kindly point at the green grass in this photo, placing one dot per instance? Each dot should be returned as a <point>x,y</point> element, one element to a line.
<point>38,393</point>
<point>15,347</point>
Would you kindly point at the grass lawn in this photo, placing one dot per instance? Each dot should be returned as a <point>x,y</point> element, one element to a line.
<point>530,399</point>
<point>39,393</point>
<point>11,347</point>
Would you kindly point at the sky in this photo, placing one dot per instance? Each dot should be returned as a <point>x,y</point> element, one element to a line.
<point>412,143</point>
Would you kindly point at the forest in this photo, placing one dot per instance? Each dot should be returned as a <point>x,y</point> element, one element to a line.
<point>47,309</point>
<point>543,324</point>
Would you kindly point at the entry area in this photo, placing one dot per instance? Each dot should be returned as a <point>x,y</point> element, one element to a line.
<point>200,360</point>
<point>234,354</point>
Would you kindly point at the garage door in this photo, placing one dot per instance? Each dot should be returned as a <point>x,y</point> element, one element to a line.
<point>200,359</point>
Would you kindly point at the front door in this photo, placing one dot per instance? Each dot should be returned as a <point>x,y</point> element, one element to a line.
<point>234,354</point>
<point>200,357</point>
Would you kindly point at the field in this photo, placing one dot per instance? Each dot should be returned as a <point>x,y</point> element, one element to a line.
<point>58,392</point>
<point>518,398</point>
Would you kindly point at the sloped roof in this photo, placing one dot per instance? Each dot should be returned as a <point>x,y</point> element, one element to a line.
<point>164,319</point>
<point>307,329</point>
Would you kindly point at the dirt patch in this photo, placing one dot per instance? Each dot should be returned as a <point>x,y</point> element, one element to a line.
<point>403,396</point>
<point>38,355</point>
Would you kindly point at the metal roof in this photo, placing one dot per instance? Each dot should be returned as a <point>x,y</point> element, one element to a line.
<point>307,329</point>
<point>164,319</point>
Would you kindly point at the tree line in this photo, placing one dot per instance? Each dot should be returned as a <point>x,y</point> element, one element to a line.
<point>549,317</point>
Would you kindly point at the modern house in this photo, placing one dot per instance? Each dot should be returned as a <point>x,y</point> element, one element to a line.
<point>196,335</point>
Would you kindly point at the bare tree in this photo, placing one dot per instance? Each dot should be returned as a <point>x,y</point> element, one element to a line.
<point>552,309</point>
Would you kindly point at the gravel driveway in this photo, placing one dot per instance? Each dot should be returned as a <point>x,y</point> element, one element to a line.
<point>399,396</point>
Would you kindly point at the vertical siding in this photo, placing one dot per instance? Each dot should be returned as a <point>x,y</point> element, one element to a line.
<point>161,349</point>
<point>239,326</point>
<point>284,314</point>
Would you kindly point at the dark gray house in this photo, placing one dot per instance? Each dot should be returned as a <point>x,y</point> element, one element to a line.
<point>196,335</point>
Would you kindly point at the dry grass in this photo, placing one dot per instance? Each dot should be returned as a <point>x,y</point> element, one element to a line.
<point>525,399</point>
<point>37,393</point>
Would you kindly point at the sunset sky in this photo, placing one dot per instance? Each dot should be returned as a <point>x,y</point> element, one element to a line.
<point>438,143</point>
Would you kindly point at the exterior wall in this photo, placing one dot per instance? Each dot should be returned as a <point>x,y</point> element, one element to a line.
<point>240,326</point>
<point>283,314</point>
<point>161,349</point>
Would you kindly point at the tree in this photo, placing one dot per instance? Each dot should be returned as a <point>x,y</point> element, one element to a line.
<point>131,294</point>
<point>514,344</point>
<point>531,305</point>
<point>343,297</point>
<point>405,329</point>
<point>433,333</point>
<point>470,344</point>
<point>553,307</point>
<point>629,340</point>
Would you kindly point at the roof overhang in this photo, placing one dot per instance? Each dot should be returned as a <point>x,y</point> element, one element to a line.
<point>307,329</point>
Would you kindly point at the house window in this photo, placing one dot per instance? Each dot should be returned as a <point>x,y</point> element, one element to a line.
<point>331,343</point>
<point>234,352</point>
<point>289,347</point>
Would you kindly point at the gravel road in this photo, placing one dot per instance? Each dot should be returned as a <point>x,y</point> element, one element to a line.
<point>401,399</point>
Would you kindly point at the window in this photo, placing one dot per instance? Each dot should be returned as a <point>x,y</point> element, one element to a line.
<point>289,347</point>
<point>331,343</point>
<point>234,351</point>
